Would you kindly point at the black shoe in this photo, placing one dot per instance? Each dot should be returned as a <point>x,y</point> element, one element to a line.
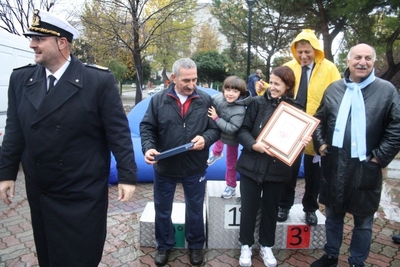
<point>311,218</point>
<point>396,238</point>
<point>283,214</point>
<point>325,261</point>
<point>196,256</point>
<point>161,257</point>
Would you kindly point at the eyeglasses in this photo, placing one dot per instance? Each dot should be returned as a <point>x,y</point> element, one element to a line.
<point>36,39</point>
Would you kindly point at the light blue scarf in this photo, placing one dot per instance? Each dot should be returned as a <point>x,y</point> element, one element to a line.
<point>353,100</point>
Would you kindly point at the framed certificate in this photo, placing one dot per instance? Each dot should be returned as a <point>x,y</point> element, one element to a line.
<point>285,130</point>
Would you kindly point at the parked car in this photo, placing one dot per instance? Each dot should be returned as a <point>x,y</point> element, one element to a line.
<point>133,85</point>
<point>157,89</point>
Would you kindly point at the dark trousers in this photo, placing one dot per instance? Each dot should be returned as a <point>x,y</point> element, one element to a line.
<point>312,176</point>
<point>253,195</point>
<point>360,243</point>
<point>194,191</point>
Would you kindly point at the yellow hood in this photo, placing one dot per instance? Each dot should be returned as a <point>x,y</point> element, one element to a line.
<point>310,36</point>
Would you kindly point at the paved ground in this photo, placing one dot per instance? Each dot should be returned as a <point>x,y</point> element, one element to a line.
<point>122,246</point>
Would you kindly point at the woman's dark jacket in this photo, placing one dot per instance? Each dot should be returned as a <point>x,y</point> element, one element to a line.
<point>260,166</point>
<point>348,184</point>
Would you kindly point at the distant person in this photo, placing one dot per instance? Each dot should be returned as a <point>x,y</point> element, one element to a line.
<point>313,75</point>
<point>251,82</point>
<point>63,119</point>
<point>176,116</point>
<point>167,83</point>
<point>228,110</point>
<point>262,176</point>
<point>359,134</point>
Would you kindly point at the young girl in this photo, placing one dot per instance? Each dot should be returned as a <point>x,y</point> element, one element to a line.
<point>228,112</point>
<point>262,176</point>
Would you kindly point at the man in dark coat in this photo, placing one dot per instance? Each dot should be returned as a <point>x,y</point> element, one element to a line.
<point>359,134</point>
<point>251,82</point>
<point>63,134</point>
<point>177,116</point>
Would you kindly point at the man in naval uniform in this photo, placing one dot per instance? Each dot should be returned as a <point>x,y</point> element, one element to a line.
<point>63,119</point>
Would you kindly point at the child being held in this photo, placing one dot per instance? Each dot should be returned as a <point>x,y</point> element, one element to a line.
<point>228,112</point>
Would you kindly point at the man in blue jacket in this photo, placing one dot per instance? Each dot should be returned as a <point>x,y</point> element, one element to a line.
<point>177,116</point>
<point>251,82</point>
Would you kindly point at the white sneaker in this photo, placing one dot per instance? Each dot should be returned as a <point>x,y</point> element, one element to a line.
<point>228,192</point>
<point>245,256</point>
<point>213,158</point>
<point>267,256</point>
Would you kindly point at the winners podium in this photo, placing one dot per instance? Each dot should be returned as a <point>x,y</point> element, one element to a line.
<point>223,222</point>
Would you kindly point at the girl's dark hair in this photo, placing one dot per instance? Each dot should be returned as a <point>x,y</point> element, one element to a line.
<point>287,76</point>
<point>234,82</point>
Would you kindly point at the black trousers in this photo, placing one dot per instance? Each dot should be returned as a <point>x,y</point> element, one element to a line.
<point>254,196</point>
<point>312,176</point>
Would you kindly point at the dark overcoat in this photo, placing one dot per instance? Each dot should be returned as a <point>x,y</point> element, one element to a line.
<point>348,184</point>
<point>64,139</point>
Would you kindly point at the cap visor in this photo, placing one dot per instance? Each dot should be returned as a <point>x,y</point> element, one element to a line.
<point>30,33</point>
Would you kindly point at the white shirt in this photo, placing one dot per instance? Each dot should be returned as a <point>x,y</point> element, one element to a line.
<point>58,73</point>
<point>310,67</point>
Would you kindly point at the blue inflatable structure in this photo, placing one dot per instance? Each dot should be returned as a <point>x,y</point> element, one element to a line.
<point>145,171</point>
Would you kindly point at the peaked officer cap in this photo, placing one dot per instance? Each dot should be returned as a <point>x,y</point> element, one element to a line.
<point>47,24</point>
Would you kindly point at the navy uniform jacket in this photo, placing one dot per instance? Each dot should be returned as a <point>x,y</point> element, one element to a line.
<point>64,139</point>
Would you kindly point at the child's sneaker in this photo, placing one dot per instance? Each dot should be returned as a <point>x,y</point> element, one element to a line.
<point>245,256</point>
<point>213,158</point>
<point>267,256</point>
<point>228,192</point>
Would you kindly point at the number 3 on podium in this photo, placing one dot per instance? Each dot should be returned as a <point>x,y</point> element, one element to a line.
<point>298,236</point>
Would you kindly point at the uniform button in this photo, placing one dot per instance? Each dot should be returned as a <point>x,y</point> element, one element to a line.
<point>60,162</point>
<point>38,162</point>
<point>34,128</point>
<point>58,127</point>
<point>43,193</point>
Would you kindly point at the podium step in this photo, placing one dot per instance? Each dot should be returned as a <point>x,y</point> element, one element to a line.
<point>393,169</point>
<point>146,224</point>
<point>147,232</point>
<point>223,222</point>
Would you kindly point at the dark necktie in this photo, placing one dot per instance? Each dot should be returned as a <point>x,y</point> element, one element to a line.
<point>51,83</point>
<point>302,92</point>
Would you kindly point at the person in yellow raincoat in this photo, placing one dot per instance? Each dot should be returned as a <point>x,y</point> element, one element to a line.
<point>308,53</point>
